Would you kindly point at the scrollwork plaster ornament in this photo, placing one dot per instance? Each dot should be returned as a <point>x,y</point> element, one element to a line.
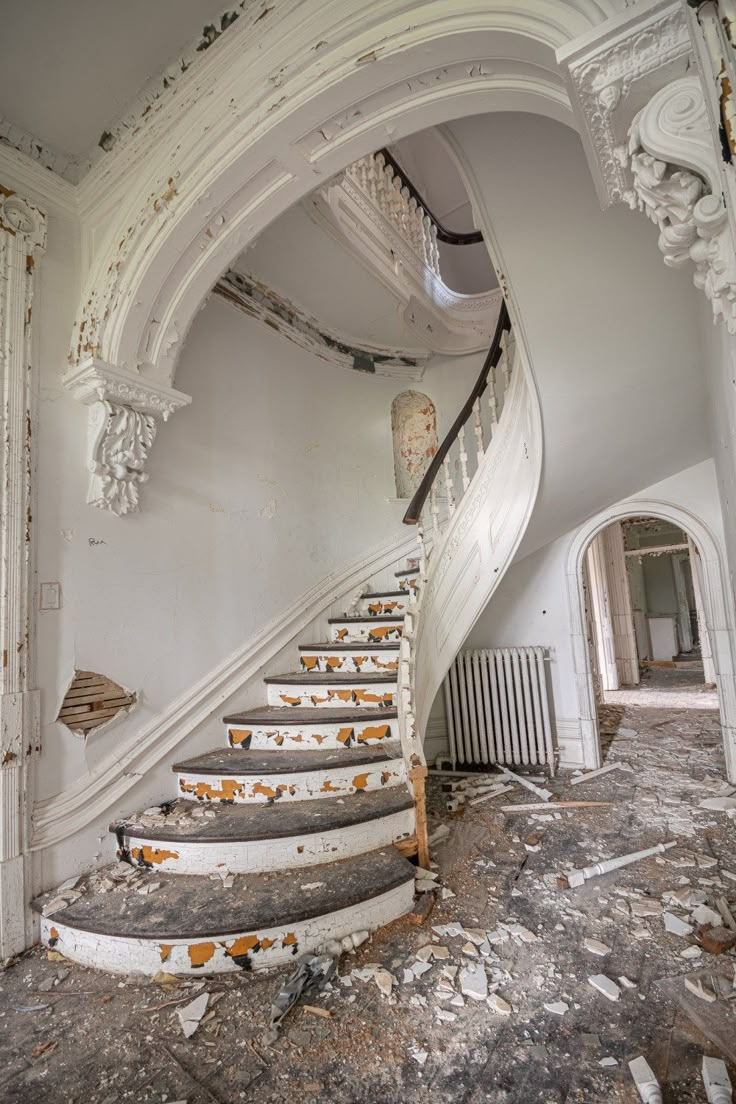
<point>676,184</point>
<point>120,439</point>
<point>123,408</point>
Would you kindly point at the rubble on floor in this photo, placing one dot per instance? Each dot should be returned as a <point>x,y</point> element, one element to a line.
<point>513,989</point>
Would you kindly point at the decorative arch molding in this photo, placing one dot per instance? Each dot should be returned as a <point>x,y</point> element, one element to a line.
<point>260,123</point>
<point>718,607</point>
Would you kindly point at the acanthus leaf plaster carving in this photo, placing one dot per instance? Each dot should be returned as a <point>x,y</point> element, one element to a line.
<point>123,407</point>
<point>676,184</point>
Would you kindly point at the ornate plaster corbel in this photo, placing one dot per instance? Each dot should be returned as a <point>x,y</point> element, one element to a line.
<point>123,410</point>
<point>676,183</point>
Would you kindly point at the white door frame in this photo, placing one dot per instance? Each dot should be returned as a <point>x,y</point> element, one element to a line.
<point>718,607</point>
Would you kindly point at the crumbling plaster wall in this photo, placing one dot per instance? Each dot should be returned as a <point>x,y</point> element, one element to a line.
<point>280,472</point>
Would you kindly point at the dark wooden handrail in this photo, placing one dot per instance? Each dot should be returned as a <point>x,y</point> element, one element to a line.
<point>412,515</point>
<point>450,237</point>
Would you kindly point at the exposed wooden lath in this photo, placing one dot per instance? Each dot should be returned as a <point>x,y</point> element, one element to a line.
<point>91,700</point>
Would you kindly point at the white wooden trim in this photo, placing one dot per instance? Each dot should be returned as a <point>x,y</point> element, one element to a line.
<point>92,795</point>
<point>22,244</point>
<point>718,605</point>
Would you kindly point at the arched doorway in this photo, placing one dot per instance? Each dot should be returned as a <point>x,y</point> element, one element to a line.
<point>717,608</point>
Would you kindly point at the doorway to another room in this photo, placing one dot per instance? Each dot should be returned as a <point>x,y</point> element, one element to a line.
<point>645,618</point>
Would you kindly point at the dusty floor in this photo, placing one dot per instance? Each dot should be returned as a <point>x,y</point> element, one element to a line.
<point>95,1039</point>
<point>668,688</point>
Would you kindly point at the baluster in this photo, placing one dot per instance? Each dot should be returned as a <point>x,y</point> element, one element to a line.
<point>434,508</point>
<point>381,183</point>
<point>492,397</point>
<point>478,426</point>
<point>422,552</point>
<point>505,361</point>
<point>463,459</point>
<point>426,239</point>
<point>449,486</point>
<point>404,213</point>
<point>435,250</point>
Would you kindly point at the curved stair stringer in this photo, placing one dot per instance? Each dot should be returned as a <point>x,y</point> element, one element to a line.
<point>477,547</point>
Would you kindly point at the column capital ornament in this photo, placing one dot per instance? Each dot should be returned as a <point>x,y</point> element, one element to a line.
<point>18,216</point>
<point>676,183</point>
<point>123,410</point>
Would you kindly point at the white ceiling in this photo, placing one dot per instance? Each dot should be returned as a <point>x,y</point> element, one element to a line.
<point>70,68</point>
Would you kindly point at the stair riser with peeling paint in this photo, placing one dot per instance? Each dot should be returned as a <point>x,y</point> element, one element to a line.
<point>379,695</point>
<point>303,786</point>
<point>372,630</point>
<point>318,735</point>
<point>356,661</point>
<point>253,856</point>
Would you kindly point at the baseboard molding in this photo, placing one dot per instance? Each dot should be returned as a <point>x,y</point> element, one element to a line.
<point>570,744</point>
<point>90,796</point>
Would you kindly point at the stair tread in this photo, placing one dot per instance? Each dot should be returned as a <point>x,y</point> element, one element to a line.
<point>330,678</point>
<point>237,762</point>
<point>306,714</point>
<point>263,822</point>
<point>406,571</point>
<point>351,646</point>
<point>187,906</point>
<point>371,620</point>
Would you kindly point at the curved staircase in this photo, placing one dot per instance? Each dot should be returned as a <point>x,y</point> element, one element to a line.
<point>277,842</point>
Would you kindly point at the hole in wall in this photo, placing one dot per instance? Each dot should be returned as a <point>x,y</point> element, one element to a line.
<point>93,700</point>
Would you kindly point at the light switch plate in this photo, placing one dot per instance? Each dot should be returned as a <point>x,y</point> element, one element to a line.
<point>50,596</point>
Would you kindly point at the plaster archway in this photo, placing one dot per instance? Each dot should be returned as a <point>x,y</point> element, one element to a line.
<point>255,129</point>
<point>718,605</point>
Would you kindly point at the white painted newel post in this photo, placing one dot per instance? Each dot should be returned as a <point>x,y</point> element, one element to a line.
<point>22,243</point>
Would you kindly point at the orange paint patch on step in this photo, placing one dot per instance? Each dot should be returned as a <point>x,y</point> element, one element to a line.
<point>200,953</point>
<point>375,608</point>
<point>242,946</point>
<point>289,940</point>
<point>289,700</point>
<point>152,855</point>
<point>384,632</point>
<point>328,787</point>
<point>225,789</point>
<point>238,736</point>
<point>342,695</point>
<point>345,735</point>
<point>360,781</point>
<point>373,732</point>
<point>309,662</point>
<point>377,699</point>
<point>333,663</point>
<point>316,700</point>
<point>341,634</point>
<point>264,790</point>
<point>165,950</point>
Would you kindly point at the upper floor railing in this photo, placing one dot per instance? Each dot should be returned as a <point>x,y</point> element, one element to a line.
<point>390,189</point>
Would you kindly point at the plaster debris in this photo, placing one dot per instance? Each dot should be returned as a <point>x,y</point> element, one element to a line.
<point>596,947</point>
<point>605,986</point>
<point>719,804</point>
<point>605,1062</point>
<point>675,925</point>
<point>558,1008</point>
<point>445,1015</point>
<point>691,952</point>
<point>312,974</point>
<point>696,987</point>
<point>191,1014</point>
<point>498,1004</point>
<point>385,981</point>
<point>419,1056</point>
<point>725,911</point>
<point>473,982</point>
<point>544,795</point>
<point>705,915</point>
<point>646,907</point>
<point>645,1081</point>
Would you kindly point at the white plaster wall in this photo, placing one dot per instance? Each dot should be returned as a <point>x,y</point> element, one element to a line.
<point>530,606</point>
<point>718,351</point>
<point>280,472</point>
<point>612,332</point>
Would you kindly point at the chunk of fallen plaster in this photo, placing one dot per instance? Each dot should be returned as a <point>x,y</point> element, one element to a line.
<point>596,947</point>
<point>704,915</point>
<point>473,982</point>
<point>419,1056</point>
<point>646,907</point>
<point>420,968</point>
<point>498,1004</point>
<point>384,980</point>
<point>558,1008</point>
<point>445,1015</point>
<point>607,1062</point>
<point>696,987</point>
<point>675,925</point>
<point>191,1015</point>
<point>605,986</point>
<point>718,804</point>
<point>424,954</point>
